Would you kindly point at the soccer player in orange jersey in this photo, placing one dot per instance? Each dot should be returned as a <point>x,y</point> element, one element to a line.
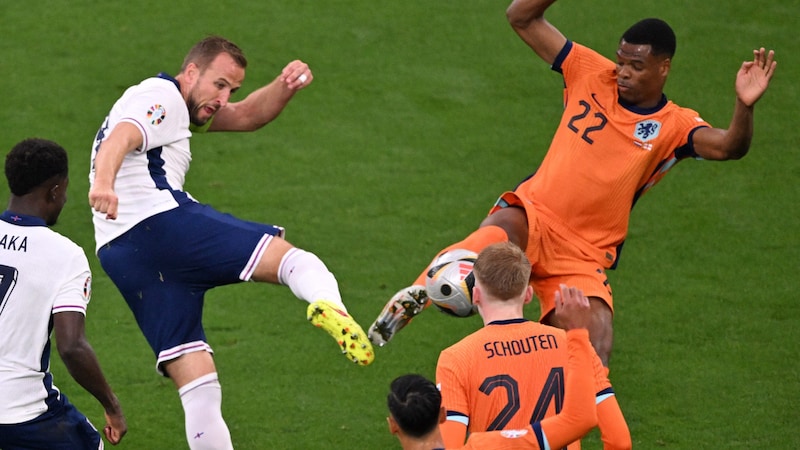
<point>618,136</point>
<point>511,372</point>
<point>415,404</point>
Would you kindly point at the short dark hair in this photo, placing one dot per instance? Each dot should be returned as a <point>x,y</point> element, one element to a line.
<point>414,402</point>
<point>32,162</point>
<point>207,49</point>
<point>653,32</point>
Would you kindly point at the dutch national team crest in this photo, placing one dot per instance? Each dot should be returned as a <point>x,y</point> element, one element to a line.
<point>156,114</point>
<point>647,130</point>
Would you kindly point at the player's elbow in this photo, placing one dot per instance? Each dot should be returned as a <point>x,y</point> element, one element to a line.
<point>728,154</point>
<point>739,152</point>
<point>517,20</point>
<point>622,442</point>
<point>72,352</point>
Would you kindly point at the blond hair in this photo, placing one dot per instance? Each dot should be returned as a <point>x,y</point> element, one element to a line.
<point>503,270</point>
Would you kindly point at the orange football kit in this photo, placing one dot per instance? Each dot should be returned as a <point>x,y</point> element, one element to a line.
<point>575,417</point>
<point>510,374</point>
<point>603,157</point>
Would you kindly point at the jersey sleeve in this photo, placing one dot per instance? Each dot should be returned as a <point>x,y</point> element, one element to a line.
<point>76,291</point>
<point>454,399</point>
<point>576,60</point>
<point>614,430</point>
<point>578,415</point>
<point>158,111</point>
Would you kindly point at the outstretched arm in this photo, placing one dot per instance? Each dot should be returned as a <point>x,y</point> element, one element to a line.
<point>752,81</point>
<point>81,362</point>
<point>263,105</point>
<point>527,19</point>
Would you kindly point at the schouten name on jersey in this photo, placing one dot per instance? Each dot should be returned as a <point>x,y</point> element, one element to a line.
<point>524,346</point>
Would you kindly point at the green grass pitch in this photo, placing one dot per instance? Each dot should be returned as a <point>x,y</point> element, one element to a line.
<point>421,113</point>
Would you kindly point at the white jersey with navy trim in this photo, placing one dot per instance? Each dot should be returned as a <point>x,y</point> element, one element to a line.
<point>41,273</point>
<point>150,180</point>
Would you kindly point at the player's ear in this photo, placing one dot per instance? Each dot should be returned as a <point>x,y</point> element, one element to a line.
<point>528,294</point>
<point>191,73</point>
<point>442,414</point>
<point>666,64</point>
<point>477,293</point>
<point>55,189</point>
<point>393,427</point>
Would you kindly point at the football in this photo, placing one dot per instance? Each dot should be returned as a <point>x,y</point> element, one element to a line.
<point>449,282</point>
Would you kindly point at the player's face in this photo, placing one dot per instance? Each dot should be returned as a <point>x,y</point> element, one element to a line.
<point>213,87</point>
<point>640,74</point>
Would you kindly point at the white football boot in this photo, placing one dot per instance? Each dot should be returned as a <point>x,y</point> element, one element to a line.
<point>397,313</point>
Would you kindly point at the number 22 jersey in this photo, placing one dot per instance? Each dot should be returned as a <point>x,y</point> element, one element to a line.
<point>604,155</point>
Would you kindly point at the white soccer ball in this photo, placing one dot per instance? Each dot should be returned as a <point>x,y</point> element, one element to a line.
<point>449,282</point>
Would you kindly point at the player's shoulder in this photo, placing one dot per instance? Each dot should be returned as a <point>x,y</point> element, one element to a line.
<point>466,347</point>
<point>682,112</point>
<point>545,328</point>
<point>162,88</point>
<point>672,116</point>
<point>45,246</point>
<point>578,61</point>
<point>59,244</point>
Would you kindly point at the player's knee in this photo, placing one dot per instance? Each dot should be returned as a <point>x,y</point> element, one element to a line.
<point>513,222</point>
<point>268,266</point>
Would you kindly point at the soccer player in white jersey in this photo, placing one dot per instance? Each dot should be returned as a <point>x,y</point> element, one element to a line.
<point>164,250</point>
<point>45,285</point>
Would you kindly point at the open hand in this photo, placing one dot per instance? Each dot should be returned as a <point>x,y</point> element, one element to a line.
<point>754,76</point>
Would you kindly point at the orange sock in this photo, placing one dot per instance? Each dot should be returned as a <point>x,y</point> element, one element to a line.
<point>477,241</point>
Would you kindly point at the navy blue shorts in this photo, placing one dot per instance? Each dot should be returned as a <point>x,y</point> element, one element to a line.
<point>61,428</point>
<point>165,264</point>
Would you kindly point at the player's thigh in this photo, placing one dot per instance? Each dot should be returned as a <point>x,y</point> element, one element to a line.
<point>270,261</point>
<point>509,214</point>
<point>192,244</point>
<point>189,367</point>
<point>587,276</point>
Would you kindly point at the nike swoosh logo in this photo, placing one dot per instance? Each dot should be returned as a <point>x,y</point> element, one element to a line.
<point>597,101</point>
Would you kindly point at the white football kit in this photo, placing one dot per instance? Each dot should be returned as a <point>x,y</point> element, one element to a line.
<point>162,233</point>
<point>148,182</point>
<point>41,273</point>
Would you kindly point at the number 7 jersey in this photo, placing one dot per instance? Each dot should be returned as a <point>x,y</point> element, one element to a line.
<point>604,155</point>
<point>41,273</point>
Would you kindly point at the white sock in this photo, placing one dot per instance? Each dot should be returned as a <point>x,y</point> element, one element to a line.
<point>308,277</point>
<point>202,406</point>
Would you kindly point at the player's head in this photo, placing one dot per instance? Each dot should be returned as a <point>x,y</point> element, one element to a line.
<point>653,32</point>
<point>211,72</point>
<point>415,406</point>
<point>204,52</point>
<point>644,57</point>
<point>502,271</point>
<point>37,171</point>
